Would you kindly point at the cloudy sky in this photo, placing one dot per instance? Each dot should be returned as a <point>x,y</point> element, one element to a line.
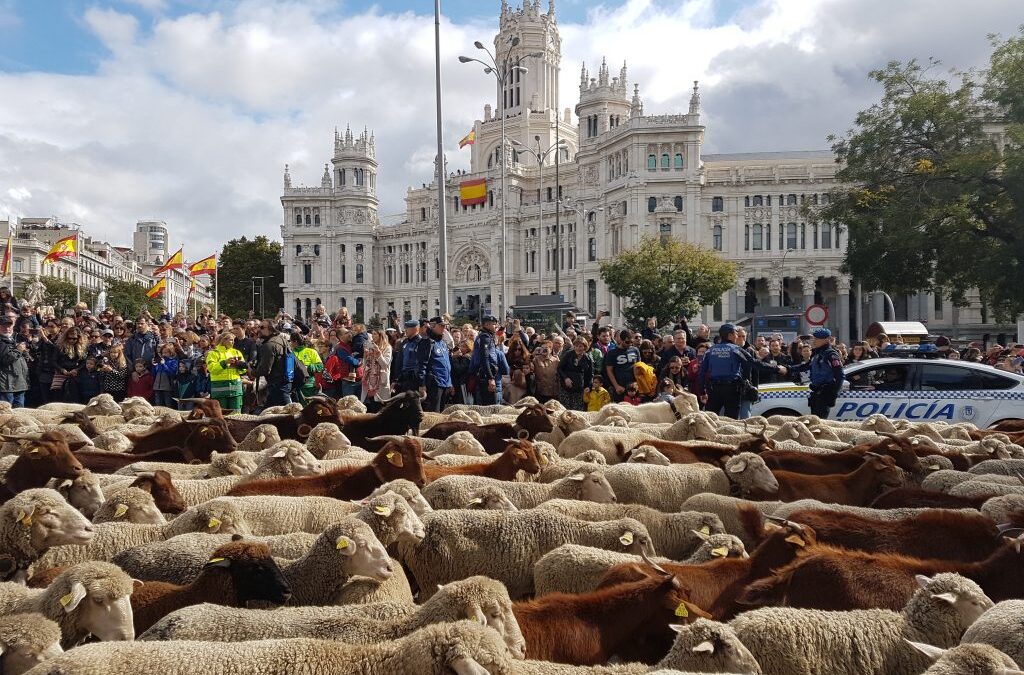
<point>187,110</point>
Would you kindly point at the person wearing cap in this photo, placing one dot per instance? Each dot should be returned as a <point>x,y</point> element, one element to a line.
<point>436,369</point>
<point>725,373</point>
<point>486,364</point>
<point>13,366</point>
<point>415,353</point>
<point>826,369</point>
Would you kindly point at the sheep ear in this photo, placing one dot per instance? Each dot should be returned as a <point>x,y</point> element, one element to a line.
<point>577,476</point>
<point>120,510</point>
<point>932,652</point>
<point>948,598</point>
<point>136,583</point>
<point>72,599</point>
<point>739,466</point>
<point>922,580</point>
<point>474,613</point>
<point>235,470</point>
<point>382,510</point>
<point>24,516</point>
<point>345,545</point>
<point>280,453</point>
<point>700,534</point>
<point>706,647</point>
<point>677,628</point>
<point>467,665</point>
<point>67,482</point>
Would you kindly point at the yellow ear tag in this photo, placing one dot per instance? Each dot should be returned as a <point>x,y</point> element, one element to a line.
<point>705,530</point>
<point>65,600</point>
<point>205,431</point>
<point>543,460</point>
<point>25,518</point>
<point>796,539</point>
<point>342,543</point>
<point>214,522</point>
<point>214,560</point>
<point>382,510</point>
<point>626,539</point>
<point>120,510</point>
<point>681,610</point>
<point>395,459</point>
<point>720,552</point>
<point>321,412</point>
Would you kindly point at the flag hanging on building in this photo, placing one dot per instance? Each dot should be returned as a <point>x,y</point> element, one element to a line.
<point>5,264</point>
<point>63,248</point>
<point>468,139</point>
<point>175,262</point>
<point>204,266</point>
<point>473,192</point>
<point>158,288</point>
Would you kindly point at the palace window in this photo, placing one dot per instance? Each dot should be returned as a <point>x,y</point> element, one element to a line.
<point>652,203</point>
<point>717,204</point>
<point>665,161</point>
<point>716,237</point>
<point>679,160</point>
<point>791,236</point>
<point>758,243</point>
<point>307,274</point>
<point>591,249</point>
<point>678,202</point>
<point>652,162</point>
<point>359,273</point>
<point>665,232</point>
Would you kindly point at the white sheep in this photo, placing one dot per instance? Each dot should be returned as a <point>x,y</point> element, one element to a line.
<point>31,523</point>
<point>861,642</point>
<point>112,537</point>
<point>966,659</point>
<point>460,443</point>
<point>136,406</point>
<point>465,648</point>
<point>260,438</point>
<point>84,491</point>
<point>130,505</point>
<point>709,647</point>
<point>459,492</point>
<point>90,598</point>
<point>1001,627</point>
<point>664,487</point>
<point>26,640</point>
<point>235,463</point>
<point>505,545</point>
<point>647,454</point>
<point>492,498</point>
<point>658,412</point>
<point>102,404</point>
<point>675,535</point>
<point>326,441</point>
<point>603,442</point>
<point>112,441</point>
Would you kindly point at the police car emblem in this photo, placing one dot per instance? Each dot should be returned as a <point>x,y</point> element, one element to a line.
<point>968,413</point>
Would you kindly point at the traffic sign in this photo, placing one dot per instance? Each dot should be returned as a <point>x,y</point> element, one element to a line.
<point>816,315</point>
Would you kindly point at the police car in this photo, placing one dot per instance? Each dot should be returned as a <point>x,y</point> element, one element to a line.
<point>917,389</point>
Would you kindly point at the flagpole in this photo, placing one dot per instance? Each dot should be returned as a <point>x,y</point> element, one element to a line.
<point>10,252</point>
<point>184,291</point>
<point>78,258</point>
<point>216,289</point>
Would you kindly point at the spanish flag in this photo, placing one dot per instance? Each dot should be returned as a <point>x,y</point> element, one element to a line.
<point>158,288</point>
<point>204,266</point>
<point>5,264</point>
<point>64,248</point>
<point>468,139</point>
<point>175,262</point>
<point>192,287</point>
<point>473,192</point>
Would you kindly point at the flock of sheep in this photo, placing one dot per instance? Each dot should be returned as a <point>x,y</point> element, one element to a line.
<point>523,540</point>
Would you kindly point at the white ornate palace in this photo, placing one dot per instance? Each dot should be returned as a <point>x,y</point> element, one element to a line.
<point>623,175</point>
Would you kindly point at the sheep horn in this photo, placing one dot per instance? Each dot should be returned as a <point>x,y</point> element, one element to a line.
<point>191,400</point>
<point>656,566</point>
<point>788,523</point>
<point>1003,528</point>
<point>388,437</point>
<point>872,454</point>
<point>31,437</point>
<point>205,421</point>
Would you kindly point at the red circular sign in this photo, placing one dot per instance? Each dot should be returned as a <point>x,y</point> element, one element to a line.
<point>816,315</point>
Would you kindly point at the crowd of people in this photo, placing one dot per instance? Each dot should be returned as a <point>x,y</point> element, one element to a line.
<point>250,363</point>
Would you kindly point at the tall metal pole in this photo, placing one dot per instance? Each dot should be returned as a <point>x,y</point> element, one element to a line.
<point>216,289</point>
<point>442,225</point>
<point>540,228</point>
<point>504,305</point>
<point>78,260</point>
<point>10,253</point>
<point>558,210</point>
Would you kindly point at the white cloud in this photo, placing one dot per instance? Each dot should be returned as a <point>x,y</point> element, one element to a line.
<point>192,118</point>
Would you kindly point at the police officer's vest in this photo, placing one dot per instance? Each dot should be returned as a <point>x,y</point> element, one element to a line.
<point>821,368</point>
<point>410,356</point>
<point>440,365</point>
<point>724,362</point>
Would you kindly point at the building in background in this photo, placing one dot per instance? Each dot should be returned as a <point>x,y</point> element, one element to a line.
<point>150,241</point>
<point>100,261</point>
<point>624,175</point>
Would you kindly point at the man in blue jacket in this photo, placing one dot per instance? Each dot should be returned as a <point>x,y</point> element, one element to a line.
<point>826,368</point>
<point>725,373</point>
<point>436,369</point>
<point>487,364</point>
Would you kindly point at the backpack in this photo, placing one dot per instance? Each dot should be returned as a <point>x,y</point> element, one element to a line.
<point>294,368</point>
<point>646,380</point>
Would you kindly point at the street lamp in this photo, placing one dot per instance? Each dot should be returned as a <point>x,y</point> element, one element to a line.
<point>540,155</point>
<point>501,73</point>
<point>263,313</point>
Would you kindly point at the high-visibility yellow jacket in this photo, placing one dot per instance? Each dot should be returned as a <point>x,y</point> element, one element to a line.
<point>217,363</point>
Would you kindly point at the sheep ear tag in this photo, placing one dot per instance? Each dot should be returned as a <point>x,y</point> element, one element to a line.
<point>705,530</point>
<point>218,562</point>
<point>344,544</point>
<point>796,539</point>
<point>720,552</point>
<point>681,610</point>
<point>626,539</point>
<point>120,510</point>
<point>396,459</point>
<point>382,510</point>
<point>70,601</point>
<point>213,524</point>
<point>24,518</point>
<point>322,412</point>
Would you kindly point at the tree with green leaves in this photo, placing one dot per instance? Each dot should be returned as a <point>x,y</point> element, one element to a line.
<point>129,299</point>
<point>934,176</point>
<point>240,261</point>
<point>666,279</point>
<point>64,294</point>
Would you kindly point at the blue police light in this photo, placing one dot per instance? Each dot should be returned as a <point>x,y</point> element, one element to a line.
<point>910,350</point>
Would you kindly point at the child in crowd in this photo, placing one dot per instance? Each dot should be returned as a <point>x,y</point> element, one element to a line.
<point>596,396</point>
<point>202,383</point>
<point>632,396</point>
<point>165,370</point>
<point>667,391</point>
<point>185,383</point>
<point>140,383</point>
<point>88,381</point>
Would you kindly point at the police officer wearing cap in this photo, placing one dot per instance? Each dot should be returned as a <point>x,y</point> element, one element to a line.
<point>826,368</point>
<point>486,364</point>
<point>414,350</point>
<point>725,372</point>
<point>436,368</point>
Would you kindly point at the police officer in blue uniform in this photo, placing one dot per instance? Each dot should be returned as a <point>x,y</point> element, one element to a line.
<point>486,364</point>
<point>436,368</point>
<point>414,351</point>
<point>725,373</point>
<point>826,367</point>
